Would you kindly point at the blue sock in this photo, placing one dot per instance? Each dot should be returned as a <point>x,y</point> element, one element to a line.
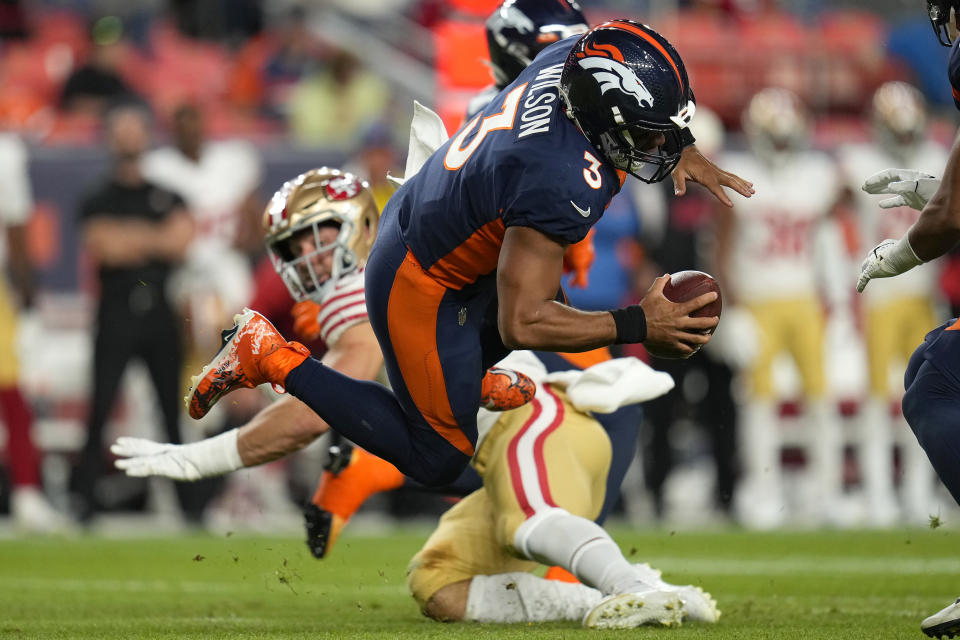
<point>370,415</point>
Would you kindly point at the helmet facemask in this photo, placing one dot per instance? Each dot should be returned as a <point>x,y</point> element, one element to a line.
<point>943,17</point>
<point>639,152</point>
<point>299,273</point>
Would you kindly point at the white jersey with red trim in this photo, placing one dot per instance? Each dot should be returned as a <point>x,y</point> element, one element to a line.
<point>342,307</point>
<point>214,186</point>
<point>876,224</point>
<point>773,247</point>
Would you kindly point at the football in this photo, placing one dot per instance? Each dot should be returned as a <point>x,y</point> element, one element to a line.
<point>686,285</point>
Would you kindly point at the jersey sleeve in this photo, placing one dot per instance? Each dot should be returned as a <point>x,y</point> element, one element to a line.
<point>561,199</point>
<point>343,307</point>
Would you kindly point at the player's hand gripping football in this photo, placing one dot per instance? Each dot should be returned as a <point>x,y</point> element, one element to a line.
<point>695,166</point>
<point>909,188</point>
<point>671,332</point>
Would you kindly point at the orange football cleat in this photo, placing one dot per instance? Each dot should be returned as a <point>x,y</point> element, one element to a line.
<point>253,352</point>
<point>340,495</point>
<point>506,389</point>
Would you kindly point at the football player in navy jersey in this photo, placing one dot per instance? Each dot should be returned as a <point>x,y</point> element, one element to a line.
<point>931,404</point>
<point>468,260</point>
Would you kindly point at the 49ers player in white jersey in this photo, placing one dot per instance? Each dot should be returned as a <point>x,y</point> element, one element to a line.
<point>766,248</point>
<point>897,312</point>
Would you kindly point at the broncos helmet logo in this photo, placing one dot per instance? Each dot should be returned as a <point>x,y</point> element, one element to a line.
<point>615,75</point>
<point>513,17</point>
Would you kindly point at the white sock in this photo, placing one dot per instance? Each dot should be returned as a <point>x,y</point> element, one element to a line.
<point>875,449</point>
<point>759,442</point>
<point>825,450</point>
<point>522,597</point>
<point>581,546</point>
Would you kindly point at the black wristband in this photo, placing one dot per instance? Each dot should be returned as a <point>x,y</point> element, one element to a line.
<point>631,324</point>
<point>686,138</point>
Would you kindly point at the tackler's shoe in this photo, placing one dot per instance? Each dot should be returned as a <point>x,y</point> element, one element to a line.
<point>945,622</point>
<point>253,352</point>
<point>506,389</point>
<point>631,610</point>
<point>341,494</point>
<point>698,605</point>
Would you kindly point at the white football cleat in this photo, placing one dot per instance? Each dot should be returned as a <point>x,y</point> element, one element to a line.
<point>630,610</point>
<point>33,513</point>
<point>698,605</point>
<point>945,622</point>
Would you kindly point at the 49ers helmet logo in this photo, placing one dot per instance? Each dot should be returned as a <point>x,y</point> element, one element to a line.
<point>342,188</point>
<point>615,75</point>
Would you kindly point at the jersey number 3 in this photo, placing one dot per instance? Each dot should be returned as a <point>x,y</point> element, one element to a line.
<point>458,154</point>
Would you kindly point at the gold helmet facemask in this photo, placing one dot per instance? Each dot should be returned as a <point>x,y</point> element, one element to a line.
<point>320,198</point>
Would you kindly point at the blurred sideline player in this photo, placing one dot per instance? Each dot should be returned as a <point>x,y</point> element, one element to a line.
<point>471,245</point>
<point>218,180</point>
<point>931,404</point>
<point>29,507</point>
<point>766,255</point>
<point>605,567</point>
<point>677,234</point>
<point>897,313</point>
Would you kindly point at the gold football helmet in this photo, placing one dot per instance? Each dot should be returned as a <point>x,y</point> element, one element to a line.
<point>899,115</point>
<point>323,197</point>
<point>777,123</point>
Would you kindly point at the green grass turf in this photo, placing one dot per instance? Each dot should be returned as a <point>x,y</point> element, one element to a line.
<point>779,585</point>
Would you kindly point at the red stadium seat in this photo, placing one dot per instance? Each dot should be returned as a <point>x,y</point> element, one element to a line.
<point>461,49</point>
<point>478,8</point>
<point>852,31</point>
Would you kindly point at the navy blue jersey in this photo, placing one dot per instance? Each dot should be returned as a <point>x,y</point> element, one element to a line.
<point>519,162</point>
<point>954,72</point>
<point>943,349</point>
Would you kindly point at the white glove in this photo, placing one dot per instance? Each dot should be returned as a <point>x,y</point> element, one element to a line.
<point>887,259</point>
<point>912,188</point>
<point>215,456</point>
<point>609,385</point>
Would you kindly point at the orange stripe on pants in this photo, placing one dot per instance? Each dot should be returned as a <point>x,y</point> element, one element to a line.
<point>412,322</point>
